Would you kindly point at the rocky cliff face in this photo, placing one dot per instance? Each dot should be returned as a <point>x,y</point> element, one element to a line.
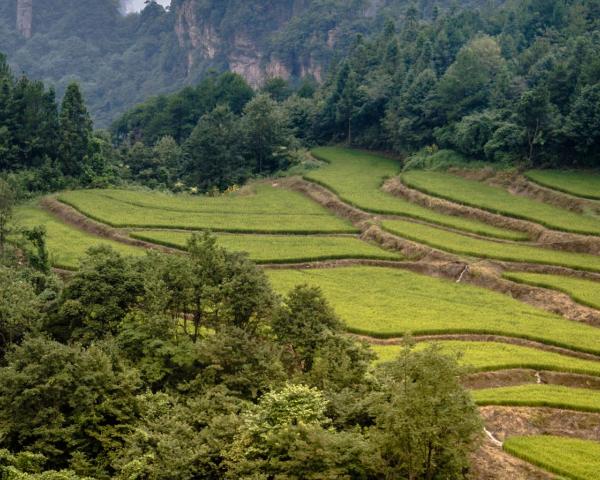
<point>25,17</point>
<point>248,49</point>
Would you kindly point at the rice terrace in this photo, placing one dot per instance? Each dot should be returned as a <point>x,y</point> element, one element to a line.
<point>473,261</point>
<point>299,240</point>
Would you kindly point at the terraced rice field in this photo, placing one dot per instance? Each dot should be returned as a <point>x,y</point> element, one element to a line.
<point>500,201</point>
<point>387,302</point>
<point>580,184</point>
<point>357,178</point>
<point>551,396</point>
<point>476,247</point>
<point>491,356</point>
<point>569,457</point>
<point>586,292</point>
<point>66,244</point>
<point>258,209</point>
<point>280,248</point>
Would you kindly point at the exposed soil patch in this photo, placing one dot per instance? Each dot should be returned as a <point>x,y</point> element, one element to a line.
<point>490,462</point>
<point>482,338</point>
<point>395,187</point>
<point>510,378</point>
<point>503,422</point>
<point>72,217</point>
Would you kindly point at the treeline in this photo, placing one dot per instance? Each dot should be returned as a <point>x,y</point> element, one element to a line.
<point>180,367</point>
<point>520,83</point>
<point>44,145</point>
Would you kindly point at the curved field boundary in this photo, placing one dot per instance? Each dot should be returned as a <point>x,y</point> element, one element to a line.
<point>540,395</point>
<point>557,188</point>
<point>505,421</point>
<point>592,235</point>
<point>571,458</point>
<point>474,337</point>
<point>523,376</point>
<point>74,218</point>
<point>544,237</point>
<point>527,187</point>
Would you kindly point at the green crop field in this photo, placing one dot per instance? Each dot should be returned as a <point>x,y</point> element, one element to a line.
<point>66,244</point>
<point>388,302</point>
<point>357,178</point>
<point>586,292</point>
<point>491,356</point>
<point>261,208</point>
<point>476,247</point>
<point>280,248</point>
<point>569,457</point>
<point>581,184</point>
<point>498,200</point>
<point>552,396</point>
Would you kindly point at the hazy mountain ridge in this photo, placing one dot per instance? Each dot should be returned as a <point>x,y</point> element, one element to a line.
<point>121,60</point>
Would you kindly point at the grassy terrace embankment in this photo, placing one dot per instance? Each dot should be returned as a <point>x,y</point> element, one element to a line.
<point>580,184</point>
<point>499,201</point>
<point>259,208</point>
<point>476,247</point>
<point>66,244</point>
<point>280,248</point>
<point>585,292</point>
<point>569,457</point>
<point>356,177</point>
<point>551,396</point>
<point>491,356</point>
<point>385,302</point>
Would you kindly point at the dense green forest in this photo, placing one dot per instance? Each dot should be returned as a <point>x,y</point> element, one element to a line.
<point>515,84</point>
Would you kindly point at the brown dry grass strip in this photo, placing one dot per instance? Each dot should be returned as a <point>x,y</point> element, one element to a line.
<point>522,376</point>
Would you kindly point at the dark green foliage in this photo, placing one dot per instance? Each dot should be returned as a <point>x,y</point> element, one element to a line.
<point>68,403</point>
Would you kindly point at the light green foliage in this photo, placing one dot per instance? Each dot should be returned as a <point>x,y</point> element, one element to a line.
<point>489,356</point>
<point>386,302</point>
<point>66,244</point>
<point>553,396</point>
<point>571,458</point>
<point>357,177</point>
<point>581,184</point>
<point>586,292</point>
<point>498,200</point>
<point>258,208</point>
<point>279,248</point>
<point>475,247</point>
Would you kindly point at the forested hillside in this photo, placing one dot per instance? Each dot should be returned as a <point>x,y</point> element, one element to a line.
<point>120,61</point>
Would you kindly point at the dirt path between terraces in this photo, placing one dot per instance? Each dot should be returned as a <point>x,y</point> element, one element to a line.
<point>544,237</point>
<point>482,338</point>
<point>72,217</point>
<point>522,376</point>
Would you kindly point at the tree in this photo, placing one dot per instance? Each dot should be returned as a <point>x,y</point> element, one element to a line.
<point>7,204</point>
<point>304,324</point>
<point>583,123</point>
<point>213,152</point>
<point>75,132</point>
<point>426,424</point>
<point>348,99</point>
<point>267,140</point>
<point>68,403</point>
<point>536,116</point>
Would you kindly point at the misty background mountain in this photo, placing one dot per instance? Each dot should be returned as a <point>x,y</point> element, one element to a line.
<point>120,60</point>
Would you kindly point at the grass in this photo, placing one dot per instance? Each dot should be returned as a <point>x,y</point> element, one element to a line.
<point>585,292</point>
<point>551,396</point>
<point>389,302</point>
<point>498,200</point>
<point>580,184</point>
<point>260,208</point>
<point>280,248</point>
<point>476,247</point>
<point>569,457</point>
<point>356,177</point>
<point>492,356</point>
<point>66,244</point>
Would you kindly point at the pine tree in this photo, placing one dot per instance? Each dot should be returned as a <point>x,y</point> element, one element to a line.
<point>75,132</point>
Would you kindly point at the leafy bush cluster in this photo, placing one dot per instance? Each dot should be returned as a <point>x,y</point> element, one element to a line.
<point>191,367</point>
